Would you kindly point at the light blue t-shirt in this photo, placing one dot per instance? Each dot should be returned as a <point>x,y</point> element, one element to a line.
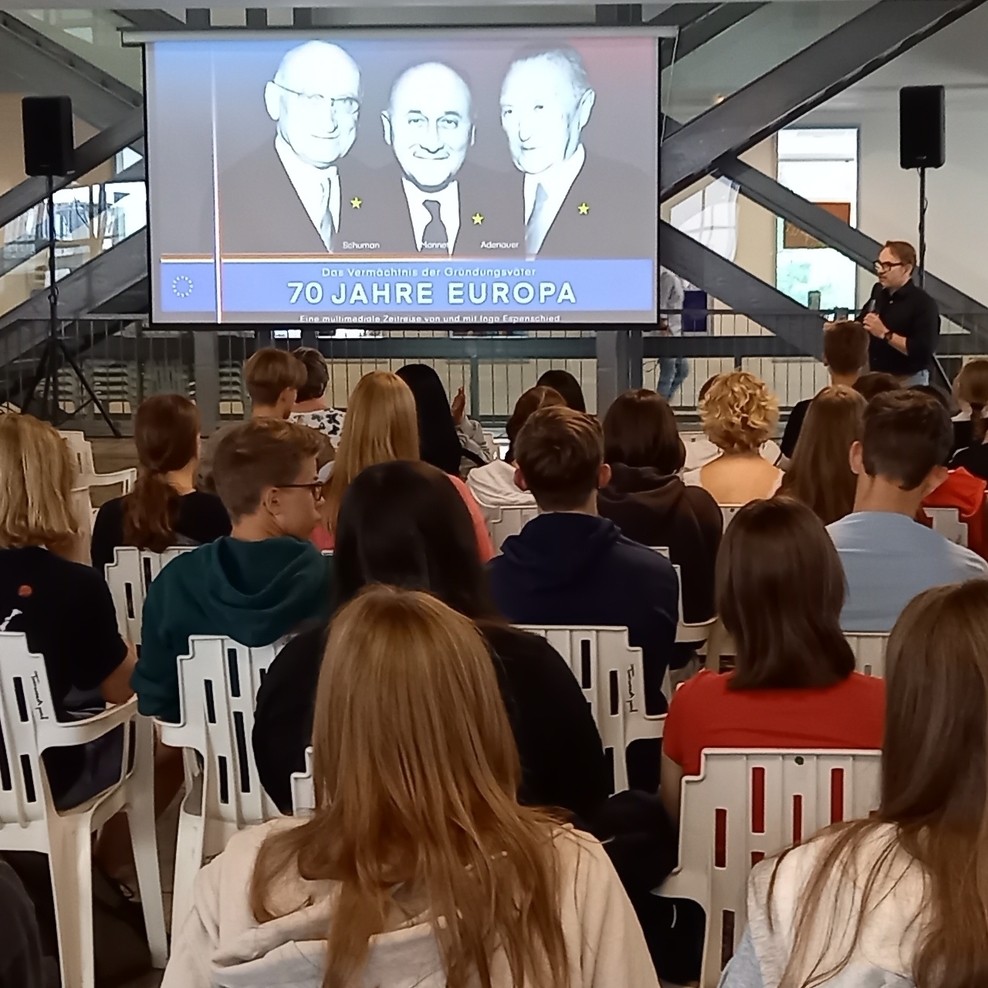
<point>889,559</point>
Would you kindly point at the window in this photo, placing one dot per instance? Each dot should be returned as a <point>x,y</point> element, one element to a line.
<point>820,164</point>
<point>711,217</point>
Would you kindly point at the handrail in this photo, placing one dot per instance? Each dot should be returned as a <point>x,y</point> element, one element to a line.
<point>126,131</point>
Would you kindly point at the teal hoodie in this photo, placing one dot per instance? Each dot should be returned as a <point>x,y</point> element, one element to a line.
<point>253,592</point>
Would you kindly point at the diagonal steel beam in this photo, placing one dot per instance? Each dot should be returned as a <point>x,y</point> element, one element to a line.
<point>806,80</point>
<point>702,28</point>
<point>681,14</point>
<point>743,292</point>
<point>152,20</point>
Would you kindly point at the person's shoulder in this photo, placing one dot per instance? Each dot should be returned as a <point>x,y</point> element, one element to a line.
<point>705,685</point>
<point>111,509</point>
<point>258,164</point>
<point>513,643</point>
<point>598,166</point>
<point>641,557</point>
<point>967,560</point>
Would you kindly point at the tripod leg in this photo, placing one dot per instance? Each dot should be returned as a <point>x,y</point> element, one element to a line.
<point>88,387</point>
<point>40,374</point>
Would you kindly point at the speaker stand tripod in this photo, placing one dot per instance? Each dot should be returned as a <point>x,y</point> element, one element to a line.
<point>46,373</point>
<point>922,227</point>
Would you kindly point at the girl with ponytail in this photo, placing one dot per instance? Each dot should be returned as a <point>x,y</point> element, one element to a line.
<point>164,509</point>
<point>971,392</point>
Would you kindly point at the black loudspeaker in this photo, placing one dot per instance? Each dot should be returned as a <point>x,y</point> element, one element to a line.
<point>922,127</point>
<point>48,142</point>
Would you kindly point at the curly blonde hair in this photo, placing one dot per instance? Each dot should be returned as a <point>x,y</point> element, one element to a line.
<point>738,412</point>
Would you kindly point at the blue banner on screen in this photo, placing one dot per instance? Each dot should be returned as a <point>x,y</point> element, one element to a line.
<point>435,173</point>
<point>561,288</point>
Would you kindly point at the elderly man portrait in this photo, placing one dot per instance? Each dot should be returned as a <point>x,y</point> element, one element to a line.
<point>289,195</point>
<point>575,202</point>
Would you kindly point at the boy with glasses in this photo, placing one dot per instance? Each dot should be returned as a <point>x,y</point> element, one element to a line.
<point>902,319</point>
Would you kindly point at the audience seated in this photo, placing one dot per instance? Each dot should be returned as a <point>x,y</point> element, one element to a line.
<point>896,899</point>
<point>494,485</point>
<point>888,558</point>
<point>971,426</point>
<point>310,408</point>
<point>164,509</point>
<point>564,383</point>
<point>568,566</point>
<point>845,355</point>
<point>381,425</point>
<point>738,414</point>
<point>403,524</point>
<point>820,473</point>
<point>255,586</point>
<point>780,590</point>
<point>649,503</point>
<point>272,378</point>
<point>449,440</point>
<point>875,383</point>
<point>415,773</point>
<point>63,607</point>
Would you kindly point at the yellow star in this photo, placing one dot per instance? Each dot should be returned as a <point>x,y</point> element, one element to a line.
<point>356,202</point>
<point>583,209</point>
<point>477,219</point>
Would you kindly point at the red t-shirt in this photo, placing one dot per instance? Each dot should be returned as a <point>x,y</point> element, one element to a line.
<point>704,713</point>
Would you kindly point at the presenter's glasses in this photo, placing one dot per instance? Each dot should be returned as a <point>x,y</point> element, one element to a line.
<point>349,105</point>
<point>883,267</point>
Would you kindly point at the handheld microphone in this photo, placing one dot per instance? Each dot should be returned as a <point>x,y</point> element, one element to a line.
<point>872,304</point>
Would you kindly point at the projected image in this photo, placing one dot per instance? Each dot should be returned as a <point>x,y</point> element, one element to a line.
<point>446,177</point>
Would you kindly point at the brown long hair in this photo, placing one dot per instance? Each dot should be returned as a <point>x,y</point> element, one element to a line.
<point>934,793</point>
<point>381,425</point>
<point>640,431</point>
<point>166,433</point>
<point>971,387</point>
<point>820,474</point>
<point>780,590</point>
<point>415,771</point>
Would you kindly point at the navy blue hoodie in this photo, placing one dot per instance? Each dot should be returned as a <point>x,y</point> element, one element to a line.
<point>575,569</point>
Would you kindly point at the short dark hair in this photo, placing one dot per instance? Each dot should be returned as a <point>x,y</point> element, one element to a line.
<point>640,431</point>
<point>780,590</point>
<point>269,371</point>
<point>903,250</point>
<point>405,524</point>
<point>317,373</point>
<point>559,452</point>
<point>845,346</point>
<point>527,405</point>
<point>906,435</point>
<point>567,385</point>
<point>256,455</point>
<point>875,383</point>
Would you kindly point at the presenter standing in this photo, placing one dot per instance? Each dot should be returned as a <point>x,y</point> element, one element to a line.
<point>901,317</point>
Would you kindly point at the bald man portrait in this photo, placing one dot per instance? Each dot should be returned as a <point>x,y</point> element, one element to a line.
<point>288,196</point>
<point>434,201</point>
<point>574,202</point>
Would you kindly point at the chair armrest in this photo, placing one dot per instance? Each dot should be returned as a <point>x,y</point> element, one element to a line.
<point>67,733</point>
<point>126,476</point>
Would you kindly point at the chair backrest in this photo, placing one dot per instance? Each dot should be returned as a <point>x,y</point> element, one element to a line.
<point>81,450</point>
<point>611,674</point>
<point>729,511</point>
<point>508,520</point>
<point>947,521</point>
<point>687,634</point>
<point>25,707</point>
<point>303,791</point>
<point>218,682</point>
<point>746,805</point>
<point>869,652</point>
<point>129,576</point>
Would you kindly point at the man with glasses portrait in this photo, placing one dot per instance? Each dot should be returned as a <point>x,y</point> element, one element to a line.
<point>291,194</point>
<point>903,320</point>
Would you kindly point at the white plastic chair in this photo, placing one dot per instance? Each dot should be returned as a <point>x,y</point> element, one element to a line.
<point>697,632</point>
<point>82,450</point>
<point>947,521</point>
<point>869,652</point>
<point>729,511</point>
<point>128,577</point>
<point>508,520</point>
<point>746,805</point>
<point>30,822</point>
<point>218,682</point>
<point>611,675</point>
<point>303,791</point>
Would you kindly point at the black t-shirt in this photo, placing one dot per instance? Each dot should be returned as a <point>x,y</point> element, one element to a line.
<point>793,427</point>
<point>201,518</point>
<point>66,612</point>
<point>908,312</point>
<point>562,757</point>
<point>974,459</point>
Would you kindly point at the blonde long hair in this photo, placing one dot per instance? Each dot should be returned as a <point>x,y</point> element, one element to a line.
<point>934,793</point>
<point>416,771</point>
<point>37,472</point>
<point>381,425</point>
